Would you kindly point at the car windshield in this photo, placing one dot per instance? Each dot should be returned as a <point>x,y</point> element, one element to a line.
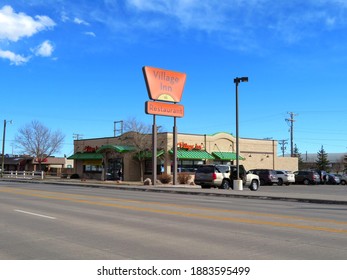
<point>205,169</point>
<point>222,168</point>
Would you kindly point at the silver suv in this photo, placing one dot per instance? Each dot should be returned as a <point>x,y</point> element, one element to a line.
<point>221,176</point>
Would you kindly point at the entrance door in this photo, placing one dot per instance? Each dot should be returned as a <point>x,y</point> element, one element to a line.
<point>115,169</point>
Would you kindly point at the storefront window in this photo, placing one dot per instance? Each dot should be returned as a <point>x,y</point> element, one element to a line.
<point>189,165</point>
<point>226,162</point>
<point>92,168</point>
<point>148,167</point>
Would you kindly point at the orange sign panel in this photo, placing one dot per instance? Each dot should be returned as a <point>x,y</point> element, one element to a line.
<point>164,109</point>
<point>164,85</point>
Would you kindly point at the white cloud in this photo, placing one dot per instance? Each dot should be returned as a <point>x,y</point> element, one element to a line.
<point>92,34</point>
<point>80,21</point>
<point>286,22</point>
<point>45,49</point>
<point>330,21</point>
<point>202,15</point>
<point>64,17</point>
<point>14,26</point>
<point>15,59</point>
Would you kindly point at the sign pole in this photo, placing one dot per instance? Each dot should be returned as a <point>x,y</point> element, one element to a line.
<point>167,86</point>
<point>238,182</point>
<point>154,151</point>
<point>175,152</point>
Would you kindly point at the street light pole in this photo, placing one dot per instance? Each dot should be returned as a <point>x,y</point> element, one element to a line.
<point>3,150</point>
<point>238,180</point>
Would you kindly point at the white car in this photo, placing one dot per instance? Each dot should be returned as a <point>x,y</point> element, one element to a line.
<point>285,177</point>
<point>221,176</point>
<point>342,178</point>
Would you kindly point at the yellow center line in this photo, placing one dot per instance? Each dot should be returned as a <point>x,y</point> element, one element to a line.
<point>70,198</point>
<point>181,206</point>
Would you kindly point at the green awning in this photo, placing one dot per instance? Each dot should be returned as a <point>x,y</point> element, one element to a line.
<point>117,148</point>
<point>192,154</point>
<point>226,156</point>
<point>148,154</point>
<point>86,156</point>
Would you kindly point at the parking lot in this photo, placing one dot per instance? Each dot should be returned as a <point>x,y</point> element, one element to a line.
<point>327,194</point>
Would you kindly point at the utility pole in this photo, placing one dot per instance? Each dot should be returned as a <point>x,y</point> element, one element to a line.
<point>77,136</point>
<point>291,120</point>
<point>3,149</point>
<point>119,130</point>
<point>283,144</point>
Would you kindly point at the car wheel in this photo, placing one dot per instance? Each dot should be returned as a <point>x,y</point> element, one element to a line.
<point>280,182</point>
<point>306,181</point>
<point>262,182</point>
<point>254,185</point>
<point>225,185</point>
<point>343,182</point>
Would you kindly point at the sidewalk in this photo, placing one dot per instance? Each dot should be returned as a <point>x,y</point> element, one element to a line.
<point>322,194</point>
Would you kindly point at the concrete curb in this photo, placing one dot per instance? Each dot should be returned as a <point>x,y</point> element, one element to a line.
<point>184,189</point>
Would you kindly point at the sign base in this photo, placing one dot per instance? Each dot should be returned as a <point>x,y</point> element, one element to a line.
<point>238,185</point>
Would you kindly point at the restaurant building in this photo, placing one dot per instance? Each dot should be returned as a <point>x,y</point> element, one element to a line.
<point>128,157</point>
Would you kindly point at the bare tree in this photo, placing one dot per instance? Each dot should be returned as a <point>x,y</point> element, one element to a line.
<point>339,165</point>
<point>39,141</point>
<point>140,139</point>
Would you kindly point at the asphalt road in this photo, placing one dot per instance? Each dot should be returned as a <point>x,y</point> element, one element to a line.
<point>42,221</point>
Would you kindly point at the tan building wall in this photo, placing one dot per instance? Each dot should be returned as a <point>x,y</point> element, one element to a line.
<point>257,153</point>
<point>287,163</point>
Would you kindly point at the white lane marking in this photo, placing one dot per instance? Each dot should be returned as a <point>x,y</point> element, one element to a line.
<point>35,214</point>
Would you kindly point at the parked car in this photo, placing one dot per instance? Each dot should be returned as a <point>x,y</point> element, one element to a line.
<point>323,176</point>
<point>307,177</point>
<point>249,180</point>
<point>266,176</point>
<point>333,179</point>
<point>221,176</point>
<point>209,175</point>
<point>343,178</point>
<point>285,177</point>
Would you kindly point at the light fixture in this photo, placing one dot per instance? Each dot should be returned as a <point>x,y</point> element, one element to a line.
<point>242,79</point>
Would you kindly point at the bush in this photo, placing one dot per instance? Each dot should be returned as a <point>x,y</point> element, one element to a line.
<point>183,178</point>
<point>75,176</point>
<point>165,178</point>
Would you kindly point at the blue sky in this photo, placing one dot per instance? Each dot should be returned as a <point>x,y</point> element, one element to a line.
<point>76,66</point>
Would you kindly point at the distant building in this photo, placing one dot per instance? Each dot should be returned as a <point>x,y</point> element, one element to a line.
<point>17,163</point>
<point>337,161</point>
<point>54,165</point>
